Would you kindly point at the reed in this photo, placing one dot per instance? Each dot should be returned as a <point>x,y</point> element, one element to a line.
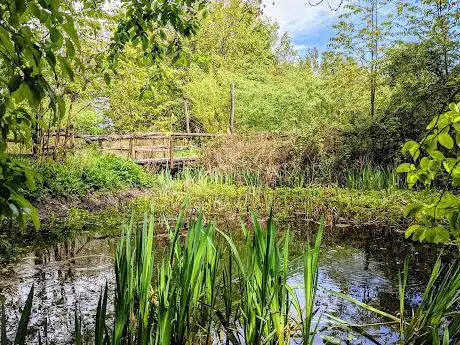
<point>21,330</point>
<point>311,260</point>
<point>373,178</point>
<point>436,319</point>
<point>265,295</point>
<point>170,305</point>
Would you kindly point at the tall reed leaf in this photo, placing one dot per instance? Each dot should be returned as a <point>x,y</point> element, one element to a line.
<point>21,332</point>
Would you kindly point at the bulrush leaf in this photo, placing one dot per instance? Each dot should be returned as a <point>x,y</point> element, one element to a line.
<point>21,332</point>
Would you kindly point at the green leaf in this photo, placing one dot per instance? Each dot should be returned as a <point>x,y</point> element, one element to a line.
<point>425,163</point>
<point>30,178</point>
<point>22,93</point>
<point>454,107</point>
<point>65,67</point>
<point>449,164</point>
<point>437,234</point>
<point>412,179</point>
<point>61,106</point>
<point>412,209</point>
<point>6,42</point>
<point>56,37</point>
<point>417,234</point>
<point>69,28</point>
<point>446,140</point>
<point>415,152</point>
<point>412,229</point>
<point>408,145</point>
<point>69,48</point>
<point>405,167</point>
<point>34,216</point>
<point>433,123</point>
<point>21,333</point>
<point>437,155</point>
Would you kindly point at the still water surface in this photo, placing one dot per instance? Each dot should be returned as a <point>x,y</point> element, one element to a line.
<point>363,263</point>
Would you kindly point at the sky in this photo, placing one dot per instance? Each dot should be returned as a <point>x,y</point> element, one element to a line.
<point>308,26</point>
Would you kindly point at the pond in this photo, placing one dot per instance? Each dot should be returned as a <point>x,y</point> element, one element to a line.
<point>360,262</point>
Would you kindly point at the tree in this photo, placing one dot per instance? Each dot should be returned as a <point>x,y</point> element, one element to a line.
<point>425,73</point>
<point>363,33</point>
<point>38,43</point>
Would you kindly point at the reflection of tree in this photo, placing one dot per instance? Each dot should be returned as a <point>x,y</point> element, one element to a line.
<point>61,273</point>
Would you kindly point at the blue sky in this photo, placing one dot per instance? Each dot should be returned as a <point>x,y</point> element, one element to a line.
<point>307,26</point>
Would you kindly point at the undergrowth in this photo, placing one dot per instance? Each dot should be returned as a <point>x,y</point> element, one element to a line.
<point>87,171</point>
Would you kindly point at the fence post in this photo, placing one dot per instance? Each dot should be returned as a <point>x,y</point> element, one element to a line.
<point>232,107</point>
<point>187,116</point>
<point>171,157</point>
<point>131,152</point>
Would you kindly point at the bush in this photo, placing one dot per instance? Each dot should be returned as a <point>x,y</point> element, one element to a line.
<point>88,171</point>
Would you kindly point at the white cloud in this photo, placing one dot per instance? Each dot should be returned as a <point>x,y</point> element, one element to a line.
<point>298,18</point>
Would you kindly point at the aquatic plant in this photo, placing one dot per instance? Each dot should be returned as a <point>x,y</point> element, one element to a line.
<point>373,178</point>
<point>311,260</point>
<point>265,294</point>
<point>436,318</point>
<point>200,287</point>
<point>22,327</point>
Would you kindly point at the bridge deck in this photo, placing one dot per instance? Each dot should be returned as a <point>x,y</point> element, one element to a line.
<point>165,161</point>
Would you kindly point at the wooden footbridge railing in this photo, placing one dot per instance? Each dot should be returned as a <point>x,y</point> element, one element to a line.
<point>155,148</point>
<point>160,149</point>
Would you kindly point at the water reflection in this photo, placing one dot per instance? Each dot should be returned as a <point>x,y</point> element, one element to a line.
<point>362,263</point>
<point>65,275</point>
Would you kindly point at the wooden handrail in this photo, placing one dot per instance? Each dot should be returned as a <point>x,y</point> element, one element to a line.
<point>154,135</point>
<point>148,148</point>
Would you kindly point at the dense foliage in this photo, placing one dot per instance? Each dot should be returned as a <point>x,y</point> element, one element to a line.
<point>436,160</point>
<point>141,66</point>
<point>39,51</point>
<point>86,172</point>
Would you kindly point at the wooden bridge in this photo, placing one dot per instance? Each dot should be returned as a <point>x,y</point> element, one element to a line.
<point>171,150</point>
<point>156,148</point>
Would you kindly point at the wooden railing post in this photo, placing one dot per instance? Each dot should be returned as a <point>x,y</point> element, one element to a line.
<point>187,116</point>
<point>171,153</point>
<point>131,150</point>
<point>232,107</point>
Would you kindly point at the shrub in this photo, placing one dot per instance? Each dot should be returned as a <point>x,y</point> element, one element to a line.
<point>88,171</point>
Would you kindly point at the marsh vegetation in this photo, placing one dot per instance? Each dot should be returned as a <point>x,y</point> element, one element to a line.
<point>322,195</point>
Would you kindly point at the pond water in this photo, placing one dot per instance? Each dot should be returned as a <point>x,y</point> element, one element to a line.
<point>362,263</point>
